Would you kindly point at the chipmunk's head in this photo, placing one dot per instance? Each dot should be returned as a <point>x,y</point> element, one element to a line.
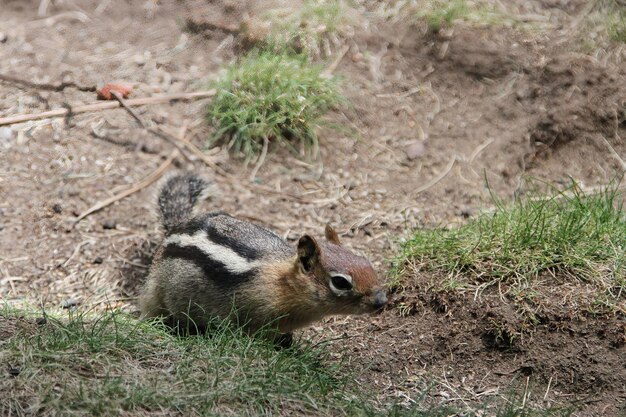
<point>346,282</point>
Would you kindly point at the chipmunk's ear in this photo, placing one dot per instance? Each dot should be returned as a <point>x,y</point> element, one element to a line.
<point>308,252</point>
<point>331,235</point>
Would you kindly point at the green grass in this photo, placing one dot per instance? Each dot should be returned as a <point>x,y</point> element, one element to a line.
<point>567,234</point>
<point>272,98</point>
<point>440,14</point>
<point>110,364</point>
<point>616,22</point>
<point>302,29</point>
<point>602,23</point>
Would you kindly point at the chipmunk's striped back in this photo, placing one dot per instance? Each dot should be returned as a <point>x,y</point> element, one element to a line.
<point>213,264</point>
<point>228,250</point>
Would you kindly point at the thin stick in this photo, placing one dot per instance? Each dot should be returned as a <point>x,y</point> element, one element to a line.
<point>76,250</point>
<point>545,397</point>
<point>155,131</point>
<point>614,153</point>
<point>106,105</point>
<point>46,86</point>
<point>526,393</point>
<point>122,102</point>
<point>332,67</point>
<point>253,187</point>
<point>196,151</point>
<point>140,185</point>
<point>438,177</point>
<point>479,149</point>
<point>261,159</point>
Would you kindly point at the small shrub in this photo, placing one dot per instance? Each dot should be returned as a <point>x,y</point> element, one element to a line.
<point>272,98</point>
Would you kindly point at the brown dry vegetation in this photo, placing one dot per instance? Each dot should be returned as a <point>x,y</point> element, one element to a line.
<point>471,101</point>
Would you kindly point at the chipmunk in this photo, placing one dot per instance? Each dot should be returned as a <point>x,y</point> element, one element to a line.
<point>209,263</point>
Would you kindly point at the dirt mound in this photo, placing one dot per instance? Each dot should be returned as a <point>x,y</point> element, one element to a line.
<point>218,19</point>
<point>574,99</point>
<point>570,357</point>
<point>478,52</point>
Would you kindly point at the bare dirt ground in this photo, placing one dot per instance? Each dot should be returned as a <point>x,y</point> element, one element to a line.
<point>462,104</point>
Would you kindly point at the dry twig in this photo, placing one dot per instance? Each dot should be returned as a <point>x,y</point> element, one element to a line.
<point>155,175</point>
<point>261,159</point>
<point>122,102</point>
<point>106,105</point>
<point>438,178</point>
<point>46,86</point>
<point>333,66</point>
<point>614,153</point>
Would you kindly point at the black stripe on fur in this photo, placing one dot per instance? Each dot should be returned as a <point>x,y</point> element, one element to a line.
<point>213,270</point>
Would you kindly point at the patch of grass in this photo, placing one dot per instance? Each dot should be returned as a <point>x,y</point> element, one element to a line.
<point>326,13</point>
<point>304,27</point>
<point>111,364</point>
<point>440,14</point>
<point>603,22</point>
<point>568,233</point>
<point>616,22</point>
<point>267,98</point>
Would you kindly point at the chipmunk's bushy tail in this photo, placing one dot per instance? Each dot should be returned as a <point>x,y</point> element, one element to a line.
<point>177,198</point>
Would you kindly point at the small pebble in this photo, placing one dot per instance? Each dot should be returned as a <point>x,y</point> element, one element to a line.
<point>415,150</point>
<point>109,224</point>
<point>98,260</point>
<point>3,37</point>
<point>1,226</point>
<point>69,303</point>
<point>72,192</point>
<point>6,134</point>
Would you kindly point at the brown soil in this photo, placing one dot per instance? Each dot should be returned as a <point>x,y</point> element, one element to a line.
<point>493,101</point>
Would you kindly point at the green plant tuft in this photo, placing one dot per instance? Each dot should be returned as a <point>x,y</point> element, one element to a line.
<point>305,27</point>
<point>272,98</point>
<point>568,233</point>
<point>439,14</point>
<point>110,364</point>
<point>616,23</point>
<point>442,13</point>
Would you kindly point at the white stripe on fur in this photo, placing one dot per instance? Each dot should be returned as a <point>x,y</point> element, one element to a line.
<point>231,260</point>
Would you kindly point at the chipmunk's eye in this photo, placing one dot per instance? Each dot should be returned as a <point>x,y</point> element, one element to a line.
<point>341,282</point>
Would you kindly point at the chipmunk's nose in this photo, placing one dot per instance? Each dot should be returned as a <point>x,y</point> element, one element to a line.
<point>380,299</point>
